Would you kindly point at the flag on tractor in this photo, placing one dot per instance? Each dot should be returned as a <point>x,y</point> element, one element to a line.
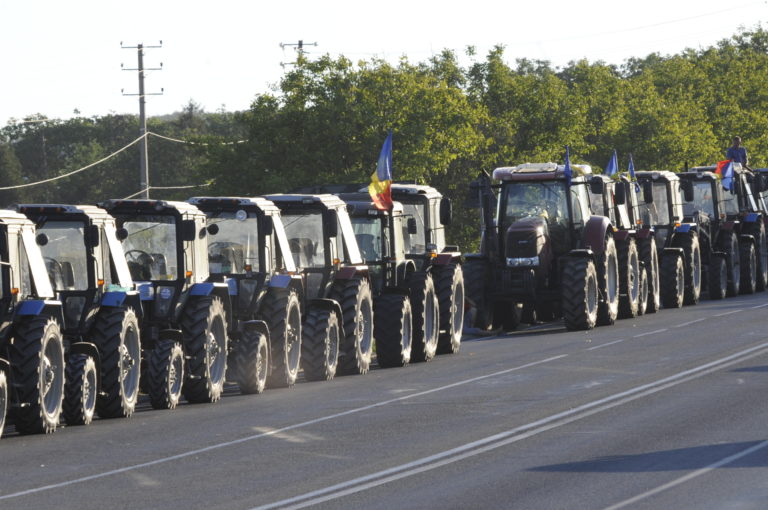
<point>632,176</point>
<point>613,165</point>
<point>567,170</point>
<point>725,170</point>
<point>380,188</point>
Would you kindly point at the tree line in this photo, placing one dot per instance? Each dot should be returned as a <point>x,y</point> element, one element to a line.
<point>326,120</point>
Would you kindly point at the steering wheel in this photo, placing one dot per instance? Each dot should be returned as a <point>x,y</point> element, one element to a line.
<point>140,256</point>
<point>55,264</point>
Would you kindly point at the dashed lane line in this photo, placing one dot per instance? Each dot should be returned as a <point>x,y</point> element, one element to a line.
<point>651,332</point>
<point>606,344</point>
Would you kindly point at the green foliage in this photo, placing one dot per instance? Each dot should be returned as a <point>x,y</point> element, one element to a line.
<point>326,120</point>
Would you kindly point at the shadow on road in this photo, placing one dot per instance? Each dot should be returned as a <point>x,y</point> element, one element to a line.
<point>681,459</point>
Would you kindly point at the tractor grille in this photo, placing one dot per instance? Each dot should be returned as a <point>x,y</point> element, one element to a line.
<point>522,244</point>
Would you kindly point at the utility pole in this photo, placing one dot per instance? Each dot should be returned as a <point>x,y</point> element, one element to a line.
<point>143,153</point>
<point>299,49</point>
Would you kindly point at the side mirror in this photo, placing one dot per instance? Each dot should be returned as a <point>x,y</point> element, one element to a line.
<point>620,193</point>
<point>648,192</point>
<point>266,226</point>
<point>446,211</point>
<point>188,230</point>
<point>687,187</point>
<point>412,226</point>
<point>330,225</point>
<point>596,185</point>
<point>41,239</point>
<point>213,229</point>
<point>121,234</point>
<point>93,235</point>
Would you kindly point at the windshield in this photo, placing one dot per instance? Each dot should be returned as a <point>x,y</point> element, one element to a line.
<point>150,247</point>
<point>702,199</point>
<point>235,245</point>
<point>368,232</point>
<point>305,238</point>
<point>730,202</point>
<point>657,212</point>
<point>544,199</point>
<point>415,243</point>
<point>65,255</point>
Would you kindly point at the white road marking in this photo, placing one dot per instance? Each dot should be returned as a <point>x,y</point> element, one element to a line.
<point>690,322</point>
<point>273,432</point>
<point>689,476</point>
<point>758,306</point>
<point>651,332</point>
<point>510,436</point>
<point>727,313</point>
<point>606,345</point>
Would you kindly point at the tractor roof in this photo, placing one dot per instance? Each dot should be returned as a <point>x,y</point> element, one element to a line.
<point>700,172</point>
<point>233,203</point>
<point>323,200</point>
<point>149,206</point>
<point>90,211</point>
<point>538,172</point>
<point>368,208</point>
<point>10,217</point>
<point>403,190</point>
<point>656,175</point>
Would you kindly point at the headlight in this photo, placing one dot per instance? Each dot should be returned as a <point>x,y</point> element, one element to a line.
<point>522,261</point>
<point>163,300</point>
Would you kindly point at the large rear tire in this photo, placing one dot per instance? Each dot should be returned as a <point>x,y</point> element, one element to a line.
<point>80,390</point>
<point>425,316</point>
<point>475,275</point>
<point>251,362</point>
<point>757,230</point>
<point>692,266</point>
<point>580,294</point>
<point>354,297</point>
<point>204,329</point>
<point>730,245</point>
<point>718,277</point>
<point>629,279</point>
<point>650,258</point>
<point>393,323</point>
<point>450,296</point>
<point>672,280</point>
<point>320,340</point>
<point>282,313</point>
<point>116,335</point>
<point>37,368</point>
<point>748,279</point>
<point>165,371</point>
<point>608,280</point>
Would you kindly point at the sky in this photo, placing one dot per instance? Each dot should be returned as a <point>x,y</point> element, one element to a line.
<point>62,56</point>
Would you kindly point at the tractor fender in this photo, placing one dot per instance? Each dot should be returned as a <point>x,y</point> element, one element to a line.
<point>751,217</point>
<point>91,350</point>
<point>443,259</point>
<point>246,327</point>
<point>644,233</point>
<point>325,304</point>
<point>34,307</point>
<point>684,228</point>
<point>622,235</point>
<point>747,237</point>
<point>217,289</point>
<point>349,272</point>
<point>114,298</point>
<point>405,270</point>
<point>595,231</point>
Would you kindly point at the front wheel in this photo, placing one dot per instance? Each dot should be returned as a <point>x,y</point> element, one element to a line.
<point>165,371</point>
<point>580,294</point>
<point>718,277</point>
<point>629,279</point>
<point>116,335</point>
<point>672,280</point>
<point>354,297</point>
<point>393,326</point>
<point>691,267</point>
<point>650,258</point>
<point>425,316</point>
<point>748,279</point>
<point>450,296</point>
<point>282,313</point>
<point>320,337</point>
<point>251,362</point>
<point>730,245</point>
<point>642,302</point>
<point>608,279</point>
<point>80,390</point>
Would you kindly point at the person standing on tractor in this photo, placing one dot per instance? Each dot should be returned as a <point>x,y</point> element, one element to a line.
<point>737,153</point>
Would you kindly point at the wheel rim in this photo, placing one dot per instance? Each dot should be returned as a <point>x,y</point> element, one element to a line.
<point>634,279</point>
<point>680,279</point>
<point>364,317</point>
<point>175,373</point>
<point>130,364</point>
<point>591,296</point>
<point>261,362</point>
<point>611,279</point>
<point>735,262</point>
<point>89,390</point>
<point>332,349</point>
<point>407,332</point>
<point>429,319</point>
<point>752,268</point>
<point>293,338</point>
<point>51,377</point>
<point>216,348</point>
<point>696,269</point>
<point>457,311</point>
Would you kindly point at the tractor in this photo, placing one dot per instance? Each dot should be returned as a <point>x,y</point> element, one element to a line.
<point>184,327</point>
<point>543,248</point>
<point>248,249</point>
<point>677,242</point>
<point>90,276</point>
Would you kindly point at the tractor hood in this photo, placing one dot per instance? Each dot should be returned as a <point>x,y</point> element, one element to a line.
<point>527,238</point>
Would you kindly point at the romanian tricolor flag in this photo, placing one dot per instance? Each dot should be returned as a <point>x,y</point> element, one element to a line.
<point>725,170</point>
<point>380,188</point>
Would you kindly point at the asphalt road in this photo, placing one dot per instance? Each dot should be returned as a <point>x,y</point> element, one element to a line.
<point>666,411</point>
